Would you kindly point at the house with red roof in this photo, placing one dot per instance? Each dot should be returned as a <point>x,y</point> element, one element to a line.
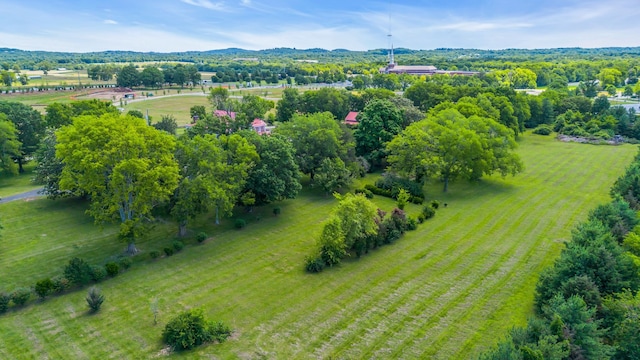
<point>351,118</point>
<point>260,127</point>
<point>221,113</point>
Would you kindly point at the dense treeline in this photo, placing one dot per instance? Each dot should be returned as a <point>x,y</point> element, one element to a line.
<point>30,58</point>
<point>587,303</point>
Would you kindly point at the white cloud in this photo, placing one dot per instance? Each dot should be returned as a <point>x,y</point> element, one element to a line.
<point>219,6</point>
<point>110,22</point>
<point>474,26</point>
<point>101,39</point>
<point>304,37</point>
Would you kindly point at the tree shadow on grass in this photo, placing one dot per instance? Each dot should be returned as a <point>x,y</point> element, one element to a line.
<point>465,190</point>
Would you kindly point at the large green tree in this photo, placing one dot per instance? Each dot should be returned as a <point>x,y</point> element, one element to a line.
<point>125,166</point>
<point>315,138</point>
<point>30,128</point>
<point>9,145</point>
<point>49,168</point>
<point>326,99</point>
<point>288,105</point>
<point>276,176</point>
<point>378,123</point>
<point>59,114</point>
<point>332,175</point>
<point>250,108</point>
<point>214,171</point>
<point>128,76</point>
<point>152,77</point>
<point>219,97</point>
<point>448,145</point>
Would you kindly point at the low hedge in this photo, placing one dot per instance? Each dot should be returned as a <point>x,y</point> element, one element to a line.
<point>418,200</point>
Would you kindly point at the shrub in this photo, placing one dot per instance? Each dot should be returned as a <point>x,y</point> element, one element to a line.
<point>98,273</point>
<point>4,302</point>
<point>78,271</point>
<point>43,288</point>
<point>94,299</point>
<point>60,284</point>
<point>125,263</point>
<point>428,212</point>
<point>168,251</point>
<point>154,254</point>
<point>314,264</point>
<point>112,268</point>
<point>240,223</point>
<point>418,200</point>
<point>402,197</point>
<point>178,245</point>
<point>543,130</point>
<point>378,191</point>
<point>220,331</point>
<point>190,329</point>
<point>435,204</point>
<point>201,237</point>
<point>421,218</point>
<point>21,296</point>
<point>390,181</point>
<point>412,224</point>
<point>367,193</point>
<point>276,211</point>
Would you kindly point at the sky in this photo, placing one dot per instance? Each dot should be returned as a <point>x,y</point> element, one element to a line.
<point>182,25</point>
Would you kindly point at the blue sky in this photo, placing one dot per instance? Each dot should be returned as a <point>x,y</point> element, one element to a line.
<point>179,25</point>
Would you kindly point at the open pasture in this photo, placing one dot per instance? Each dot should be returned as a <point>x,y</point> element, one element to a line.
<point>445,291</point>
<point>178,106</point>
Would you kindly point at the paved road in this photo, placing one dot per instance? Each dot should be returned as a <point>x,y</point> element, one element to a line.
<point>25,195</point>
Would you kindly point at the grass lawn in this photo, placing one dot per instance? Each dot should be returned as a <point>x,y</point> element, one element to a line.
<point>16,184</point>
<point>445,291</point>
<point>178,106</point>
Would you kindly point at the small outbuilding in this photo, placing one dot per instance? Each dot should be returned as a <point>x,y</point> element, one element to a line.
<point>351,118</point>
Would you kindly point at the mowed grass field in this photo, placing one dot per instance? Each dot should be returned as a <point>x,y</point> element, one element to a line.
<point>178,106</point>
<point>15,184</point>
<point>446,291</point>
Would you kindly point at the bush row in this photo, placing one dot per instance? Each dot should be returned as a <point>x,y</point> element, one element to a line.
<point>393,183</point>
<point>76,273</point>
<point>389,229</point>
<point>418,200</point>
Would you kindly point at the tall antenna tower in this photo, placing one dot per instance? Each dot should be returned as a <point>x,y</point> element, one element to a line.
<point>392,60</point>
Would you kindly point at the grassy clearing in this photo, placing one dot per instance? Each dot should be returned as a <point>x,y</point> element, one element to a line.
<point>178,106</point>
<point>446,291</point>
<point>16,184</point>
<point>41,99</point>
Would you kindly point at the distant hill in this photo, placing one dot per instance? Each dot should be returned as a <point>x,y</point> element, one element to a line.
<point>34,59</point>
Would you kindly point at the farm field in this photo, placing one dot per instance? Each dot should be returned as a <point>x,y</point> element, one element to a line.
<point>445,291</point>
<point>178,106</point>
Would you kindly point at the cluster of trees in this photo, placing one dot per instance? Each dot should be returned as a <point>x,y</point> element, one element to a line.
<point>21,128</point>
<point>587,303</point>
<point>126,168</point>
<point>152,76</point>
<point>103,72</point>
<point>448,145</point>
<point>468,138</point>
<point>272,73</point>
<point>356,226</point>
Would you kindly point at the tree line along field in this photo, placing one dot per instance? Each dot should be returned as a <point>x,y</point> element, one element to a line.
<point>445,291</point>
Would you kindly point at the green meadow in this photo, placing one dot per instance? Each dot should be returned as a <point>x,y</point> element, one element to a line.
<point>448,290</point>
<point>177,106</point>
